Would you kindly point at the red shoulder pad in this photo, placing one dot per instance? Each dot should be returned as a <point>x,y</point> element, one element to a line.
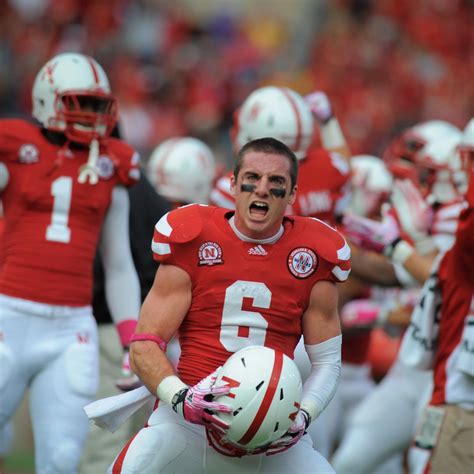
<point>126,160</point>
<point>332,247</point>
<point>179,226</point>
<point>15,134</point>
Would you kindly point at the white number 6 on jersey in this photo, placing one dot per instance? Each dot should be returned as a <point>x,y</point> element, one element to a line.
<point>241,328</point>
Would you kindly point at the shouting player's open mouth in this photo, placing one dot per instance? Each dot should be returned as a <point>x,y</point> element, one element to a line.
<point>258,209</point>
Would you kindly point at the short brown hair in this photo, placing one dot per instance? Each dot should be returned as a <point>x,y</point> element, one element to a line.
<point>268,145</point>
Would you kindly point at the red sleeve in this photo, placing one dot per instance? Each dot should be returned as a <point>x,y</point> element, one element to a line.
<point>13,133</point>
<point>127,162</point>
<point>333,249</point>
<point>463,249</point>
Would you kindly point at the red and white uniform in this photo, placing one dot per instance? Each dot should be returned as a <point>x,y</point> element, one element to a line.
<point>52,223</point>
<point>453,379</point>
<point>243,294</point>
<point>236,303</point>
<point>48,335</point>
<point>323,187</point>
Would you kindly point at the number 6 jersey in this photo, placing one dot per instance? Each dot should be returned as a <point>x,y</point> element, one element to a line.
<point>52,222</point>
<point>244,293</point>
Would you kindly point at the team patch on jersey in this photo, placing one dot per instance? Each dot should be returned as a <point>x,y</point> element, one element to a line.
<point>210,253</point>
<point>28,153</point>
<point>302,262</point>
<point>105,166</point>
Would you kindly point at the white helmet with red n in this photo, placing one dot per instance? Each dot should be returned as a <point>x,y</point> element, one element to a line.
<point>265,395</point>
<point>71,94</point>
<point>423,154</point>
<point>371,185</point>
<point>182,170</point>
<point>276,112</point>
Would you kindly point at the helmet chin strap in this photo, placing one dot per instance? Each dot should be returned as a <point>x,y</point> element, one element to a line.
<point>89,170</point>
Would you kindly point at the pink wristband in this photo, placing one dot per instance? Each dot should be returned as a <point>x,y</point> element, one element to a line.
<point>150,337</point>
<point>125,330</point>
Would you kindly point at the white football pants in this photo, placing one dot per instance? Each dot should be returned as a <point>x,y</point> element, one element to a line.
<point>169,444</point>
<point>383,424</point>
<point>53,351</point>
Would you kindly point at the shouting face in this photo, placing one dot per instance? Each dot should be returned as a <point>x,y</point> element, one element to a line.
<point>262,192</point>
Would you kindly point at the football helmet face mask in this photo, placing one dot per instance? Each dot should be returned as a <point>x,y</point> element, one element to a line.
<point>371,185</point>
<point>71,94</point>
<point>182,170</point>
<point>266,390</point>
<point>276,112</point>
<point>423,154</point>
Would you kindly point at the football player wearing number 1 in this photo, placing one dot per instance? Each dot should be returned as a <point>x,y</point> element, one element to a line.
<point>228,280</point>
<point>62,185</point>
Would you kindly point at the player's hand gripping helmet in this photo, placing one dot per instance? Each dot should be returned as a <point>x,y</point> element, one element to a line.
<point>71,94</point>
<point>371,185</point>
<point>265,394</point>
<point>182,170</point>
<point>423,154</point>
<point>276,112</point>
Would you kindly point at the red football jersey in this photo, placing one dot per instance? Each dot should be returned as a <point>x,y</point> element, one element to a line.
<point>52,222</point>
<point>323,183</point>
<point>456,283</point>
<point>244,293</point>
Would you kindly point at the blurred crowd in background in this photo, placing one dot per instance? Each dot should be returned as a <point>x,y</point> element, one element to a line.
<point>182,67</point>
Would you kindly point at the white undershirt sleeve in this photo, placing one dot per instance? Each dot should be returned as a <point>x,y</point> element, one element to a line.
<point>122,286</point>
<point>321,384</point>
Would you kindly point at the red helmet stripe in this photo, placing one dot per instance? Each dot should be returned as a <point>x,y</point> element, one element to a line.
<point>94,70</point>
<point>299,126</point>
<point>267,400</point>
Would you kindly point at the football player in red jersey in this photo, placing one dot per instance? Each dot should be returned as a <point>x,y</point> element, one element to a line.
<point>228,280</point>
<point>63,188</point>
<point>444,332</point>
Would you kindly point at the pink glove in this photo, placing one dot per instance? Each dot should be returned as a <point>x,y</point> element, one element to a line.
<point>368,234</point>
<point>292,436</point>
<point>320,106</point>
<point>129,380</point>
<point>362,313</point>
<point>196,406</point>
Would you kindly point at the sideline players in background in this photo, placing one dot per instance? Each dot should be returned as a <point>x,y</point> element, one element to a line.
<point>64,193</point>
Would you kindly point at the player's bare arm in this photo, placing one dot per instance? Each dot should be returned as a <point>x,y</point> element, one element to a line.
<point>321,319</point>
<point>161,314</point>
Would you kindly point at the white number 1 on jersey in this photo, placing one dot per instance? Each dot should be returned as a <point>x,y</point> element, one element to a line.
<point>58,230</point>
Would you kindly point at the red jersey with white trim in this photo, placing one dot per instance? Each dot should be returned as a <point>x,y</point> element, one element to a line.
<point>52,222</point>
<point>323,187</point>
<point>454,359</point>
<point>244,293</point>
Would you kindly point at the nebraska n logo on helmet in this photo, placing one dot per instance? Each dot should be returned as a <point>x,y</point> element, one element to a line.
<point>276,112</point>
<point>265,394</point>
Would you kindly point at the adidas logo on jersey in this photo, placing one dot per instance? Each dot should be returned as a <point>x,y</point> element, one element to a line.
<point>257,250</point>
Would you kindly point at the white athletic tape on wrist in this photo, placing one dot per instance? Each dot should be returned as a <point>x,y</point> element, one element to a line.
<point>402,252</point>
<point>168,387</point>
